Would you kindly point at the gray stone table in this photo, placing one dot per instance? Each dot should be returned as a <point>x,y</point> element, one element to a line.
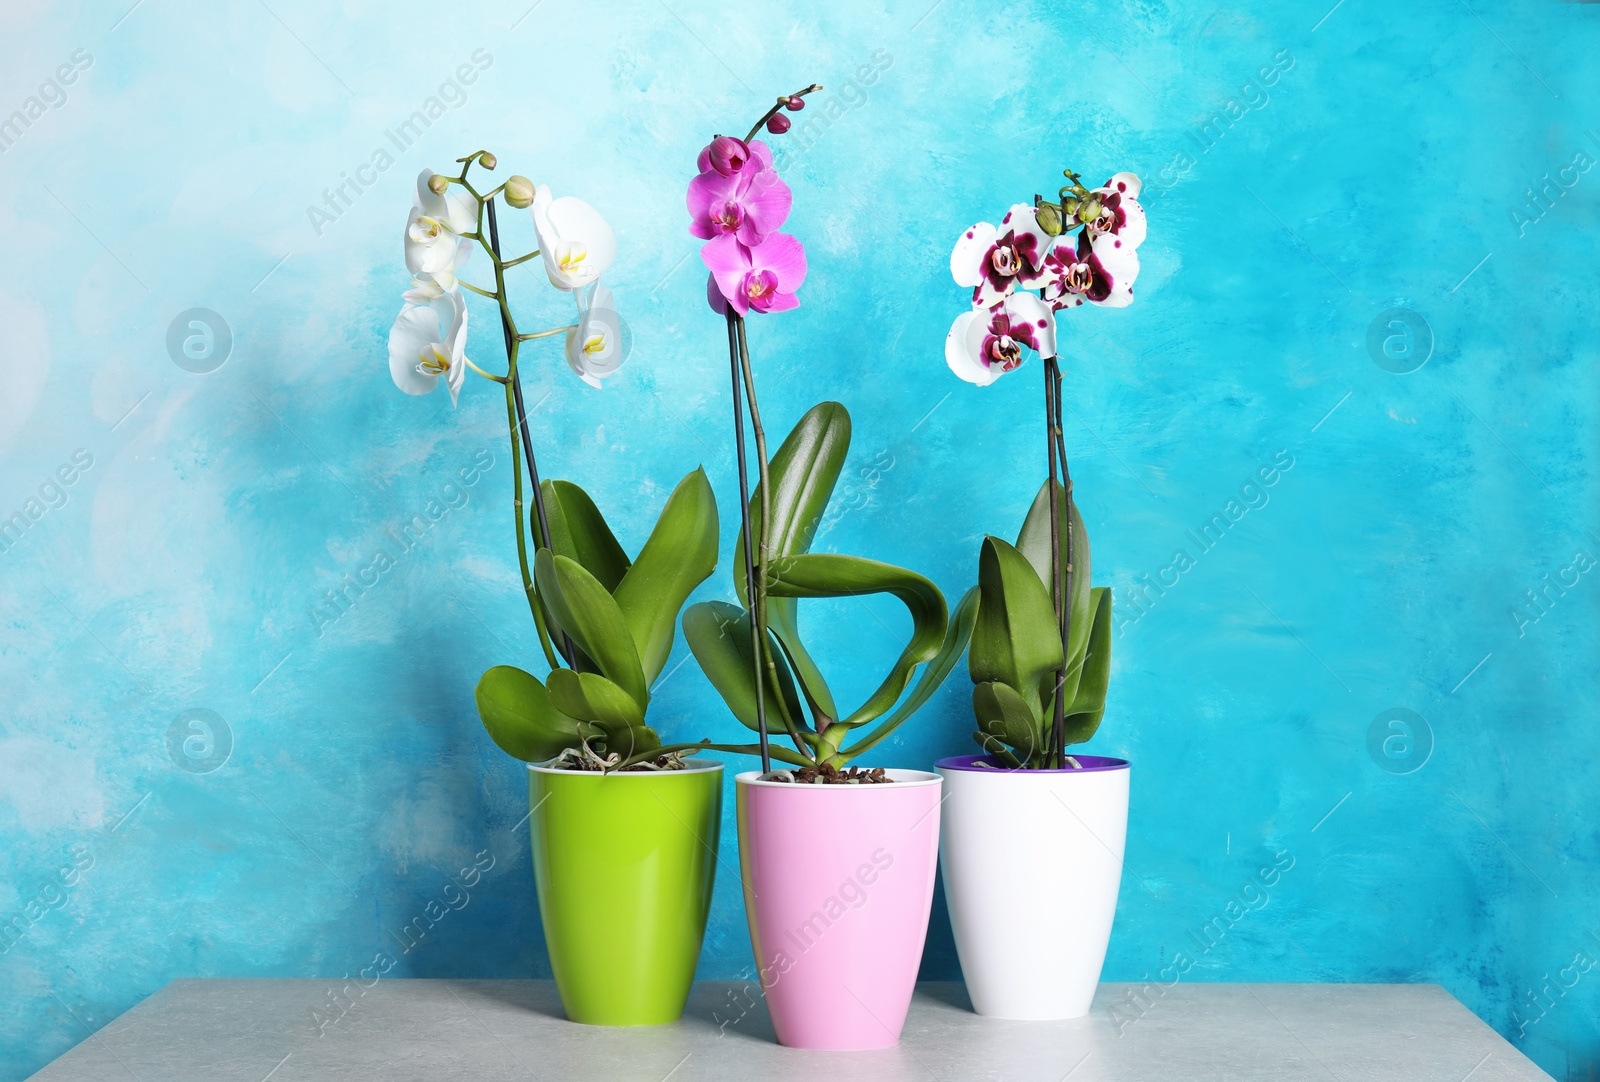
<point>400,1030</point>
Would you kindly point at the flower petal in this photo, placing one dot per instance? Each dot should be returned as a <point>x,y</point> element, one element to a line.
<point>785,257</point>
<point>1027,310</point>
<point>767,200</point>
<point>1126,183</point>
<point>760,155</point>
<point>777,302</point>
<point>714,297</point>
<point>1115,265</point>
<point>728,261</point>
<point>962,355</point>
<point>1031,241</point>
<point>415,329</point>
<point>972,248</point>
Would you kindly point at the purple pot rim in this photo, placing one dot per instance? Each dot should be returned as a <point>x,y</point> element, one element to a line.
<point>1092,764</point>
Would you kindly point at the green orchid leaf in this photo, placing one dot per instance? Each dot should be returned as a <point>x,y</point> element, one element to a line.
<point>803,474</point>
<point>811,575</point>
<point>680,554</point>
<point>591,697</point>
<point>1034,543</point>
<point>1006,716</point>
<point>583,607</point>
<point>719,635</point>
<point>607,707</point>
<point>956,637</point>
<point>520,717</point>
<point>579,532</point>
<point>1015,640</point>
<point>1086,709</point>
<point>783,621</point>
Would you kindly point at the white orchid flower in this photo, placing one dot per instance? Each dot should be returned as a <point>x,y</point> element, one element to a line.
<point>993,262</point>
<point>428,341</point>
<point>434,244</point>
<point>595,347</point>
<point>986,343</point>
<point>575,241</point>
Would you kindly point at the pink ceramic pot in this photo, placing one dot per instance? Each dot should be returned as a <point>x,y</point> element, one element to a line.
<point>838,882</point>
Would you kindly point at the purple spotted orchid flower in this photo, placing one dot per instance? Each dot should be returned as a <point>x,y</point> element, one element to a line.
<point>986,343</point>
<point>1042,258</point>
<point>995,261</point>
<point>1101,271</point>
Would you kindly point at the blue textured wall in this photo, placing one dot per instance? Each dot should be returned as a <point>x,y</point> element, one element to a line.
<point>1387,165</point>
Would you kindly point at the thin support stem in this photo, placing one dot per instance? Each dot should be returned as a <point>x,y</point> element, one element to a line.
<point>756,642</point>
<point>520,424</point>
<point>764,551</point>
<point>1071,569</point>
<point>1057,452</point>
<point>522,534</point>
<point>1058,593</point>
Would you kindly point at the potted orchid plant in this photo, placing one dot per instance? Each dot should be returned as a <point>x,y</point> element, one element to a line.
<point>819,838</point>
<point>599,777</point>
<point>1040,656</point>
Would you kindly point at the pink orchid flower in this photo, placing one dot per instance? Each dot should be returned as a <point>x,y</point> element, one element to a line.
<point>984,344</point>
<point>1120,212</point>
<point>749,204</point>
<point>995,261</point>
<point>1101,271</point>
<point>764,277</point>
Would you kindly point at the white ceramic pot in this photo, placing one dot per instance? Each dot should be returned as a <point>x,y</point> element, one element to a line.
<point>1032,863</point>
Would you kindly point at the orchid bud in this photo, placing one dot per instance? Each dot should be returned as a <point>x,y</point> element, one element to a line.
<point>1049,218</point>
<point>437,184</point>
<point>1089,210</point>
<point>519,191</point>
<point>1069,210</point>
<point>777,124</point>
<point>487,160</point>
<point>795,104</point>
<point>728,154</point>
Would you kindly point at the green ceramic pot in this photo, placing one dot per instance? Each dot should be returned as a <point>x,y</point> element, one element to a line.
<point>624,865</point>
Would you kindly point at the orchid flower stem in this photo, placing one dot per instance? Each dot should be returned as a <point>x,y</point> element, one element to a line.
<point>547,334</point>
<point>770,113</point>
<point>491,294</point>
<point>519,423</point>
<point>508,264</point>
<point>481,372</point>
<point>756,642</point>
<point>763,567</point>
